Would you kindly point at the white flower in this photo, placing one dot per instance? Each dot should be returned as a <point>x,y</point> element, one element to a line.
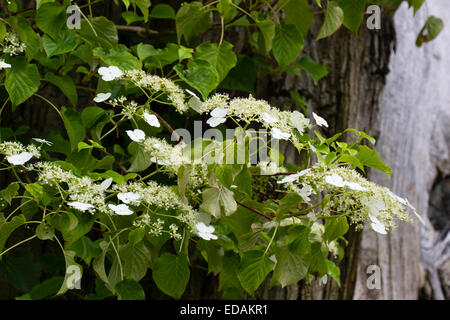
<point>4,65</point>
<point>354,186</point>
<point>305,192</point>
<point>80,205</point>
<point>160,162</point>
<point>100,97</point>
<point>136,135</point>
<point>233,186</point>
<point>43,141</point>
<point>278,134</point>
<point>335,180</point>
<point>151,119</point>
<point>293,177</point>
<point>323,280</point>
<point>319,120</point>
<point>219,112</point>
<point>19,159</point>
<point>289,178</point>
<point>120,209</point>
<point>192,93</point>
<point>269,119</point>
<point>205,232</point>
<point>110,73</point>
<point>298,121</point>
<point>376,225</point>
<point>106,184</point>
<point>127,197</point>
<point>218,116</point>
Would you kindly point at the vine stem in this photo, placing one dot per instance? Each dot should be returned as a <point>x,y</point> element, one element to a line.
<point>253,210</point>
<point>271,239</point>
<point>18,244</point>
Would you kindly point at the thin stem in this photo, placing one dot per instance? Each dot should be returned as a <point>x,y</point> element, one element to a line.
<point>18,244</point>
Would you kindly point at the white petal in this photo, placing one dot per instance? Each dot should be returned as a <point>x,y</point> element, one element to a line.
<point>354,186</point>
<point>378,227</point>
<point>335,180</point>
<point>214,122</point>
<point>219,112</point>
<point>128,197</point>
<point>289,178</point>
<point>80,205</point>
<point>192,94</point>
<point>43,141</point>
<point>269,119</point>
<point>19,159</point>
<point>116,72</point>
<point>151,119</point>
<point>4,65</point>
<point>106,184</point>
<point>278,134</point>
<point>136,135</point>
<point>319,120</point>
<point>100,97</point>
<point>121,209</point>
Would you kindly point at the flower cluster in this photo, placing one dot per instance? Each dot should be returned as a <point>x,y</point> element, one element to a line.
<point>352,195</point>
<point>11,44</point>
<point>17,154</point>
<point>157,84</point>
<point>284,125</point>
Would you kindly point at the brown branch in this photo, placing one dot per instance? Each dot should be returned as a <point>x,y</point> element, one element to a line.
<point>168,127</point>
<point>273,174</point>
<point>253,210</point>
<point>137,29</point>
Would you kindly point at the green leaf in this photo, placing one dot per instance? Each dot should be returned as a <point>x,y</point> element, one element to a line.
<point>267,33</point>
<point>222,57</point>
<point>75,130</point>
<point>192,19</point>
<point>290,268</point>
<point>26,34</point>
<point>334,16</point>
<point>242,77</point>
<point>66,85</point>
<point>353,13</point>
<point>204,79</point>
<point>65,42</point>
<point>45,231</point>
<point>287,44</point>
<point>287,202</point>
<point>416,4</point>
<point>6,228</point>
<point>145,51</point>
<point>334,272</point>
<point>228,276</point>
<point>318,261</point>
<point>299,13</point>
<point>143,5</point>
<point>86,249</point>
<point>298,240</point>
<point>335,228</point>
<point>20,270</point>
<point>316,70</point>
<point>2,31</point>
<point>10,192</point>
<point>433,26</point>
<point>136,259</point>
<point>105,32</point>
<point>22,80</point>
<point>90,116</point>
<point>129,289</point>
<point>51,18</point>
<point>119,57</point>
<point>371,158</point>
<point>171,274</point>
<point>216,198</point>
<point>73,274</point>
<point>162,11</point>
<point>253,269</point>
<point>43,290</point>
